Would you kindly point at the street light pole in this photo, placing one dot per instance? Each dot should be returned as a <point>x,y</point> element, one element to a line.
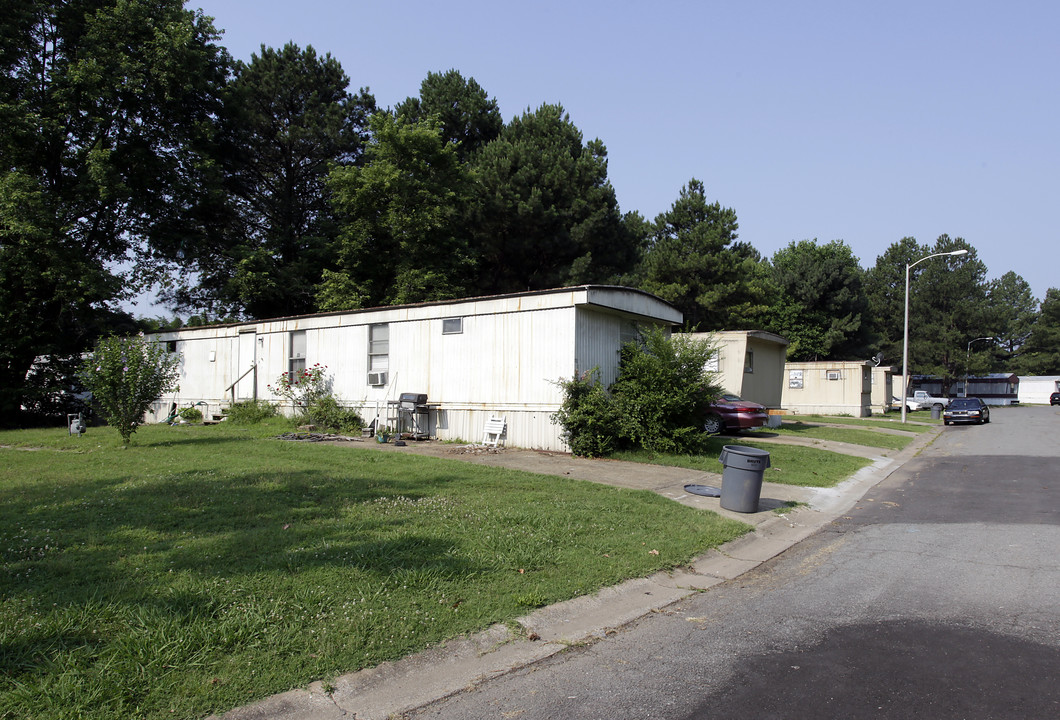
<point>905,337</point>
<point>968,360</point>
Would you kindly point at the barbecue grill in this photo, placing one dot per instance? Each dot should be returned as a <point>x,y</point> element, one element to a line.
<point>412,408</point>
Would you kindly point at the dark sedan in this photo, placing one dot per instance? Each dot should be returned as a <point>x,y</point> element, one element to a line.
<point>970,410</point>
<point>729,413</point>
<point>1054,399</point>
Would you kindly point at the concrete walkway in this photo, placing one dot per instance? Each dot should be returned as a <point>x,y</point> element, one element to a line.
<point>398,687</point>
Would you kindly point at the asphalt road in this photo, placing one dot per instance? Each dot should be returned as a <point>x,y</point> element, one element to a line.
<point>937,596</point>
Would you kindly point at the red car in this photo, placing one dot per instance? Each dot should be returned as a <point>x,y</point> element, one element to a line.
<point>730,413</point>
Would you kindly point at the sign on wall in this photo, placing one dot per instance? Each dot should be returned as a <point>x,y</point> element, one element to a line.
<point>795,379</point>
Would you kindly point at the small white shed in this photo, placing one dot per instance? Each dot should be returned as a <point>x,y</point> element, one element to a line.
<point>473,358</point>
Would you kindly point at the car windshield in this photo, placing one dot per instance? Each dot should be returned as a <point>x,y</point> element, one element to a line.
<point>964,404</point>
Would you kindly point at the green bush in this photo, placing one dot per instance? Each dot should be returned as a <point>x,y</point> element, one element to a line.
<point>657,404</point>
<point>324,411</point>
<point>662,392</point>
<point>588,416</point>
<point>190,414</point>
<point>250,412</point>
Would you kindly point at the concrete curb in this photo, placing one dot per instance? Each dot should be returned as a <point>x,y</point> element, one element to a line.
<point>394,688</point>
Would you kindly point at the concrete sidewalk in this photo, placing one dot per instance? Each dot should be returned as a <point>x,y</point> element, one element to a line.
<point>398,687</point>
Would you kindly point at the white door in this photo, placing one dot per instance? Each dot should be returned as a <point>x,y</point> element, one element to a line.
<point>245,388</point>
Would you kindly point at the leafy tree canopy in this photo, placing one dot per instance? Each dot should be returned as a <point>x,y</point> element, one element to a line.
<point>693,262</point>
<point>1011,311</point>
<point>125,375</point>
<point>885,292</point>
<point>821,305</point>
<point>1041,354</point>
<point>465,114</point>
<point>106,108</point>
<point>545,214</point>
<point>947,309</point>
<point>288,117</point>
<point>404,239</point>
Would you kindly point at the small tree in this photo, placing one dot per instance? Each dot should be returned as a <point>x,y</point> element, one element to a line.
<point>125,375</point>
<point>588,416</point>
<point>657,404</point>
<point>663,390</point>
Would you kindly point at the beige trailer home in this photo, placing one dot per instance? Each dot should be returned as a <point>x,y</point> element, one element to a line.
<point>828,388</point>
<point>749,363</point>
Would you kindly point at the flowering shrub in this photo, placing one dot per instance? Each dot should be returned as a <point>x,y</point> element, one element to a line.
<point>125,375</point>
<point>309,391</point>
<point>301,388</point>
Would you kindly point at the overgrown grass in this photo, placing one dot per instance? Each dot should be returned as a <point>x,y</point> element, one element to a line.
<point>205,567</point>
<point>857,436</point>
<point>789,464</point>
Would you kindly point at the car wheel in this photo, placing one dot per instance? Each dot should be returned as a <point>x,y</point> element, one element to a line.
<point>713,424</point>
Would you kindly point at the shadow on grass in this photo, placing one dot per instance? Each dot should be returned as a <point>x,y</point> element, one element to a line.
<point>127,543</point>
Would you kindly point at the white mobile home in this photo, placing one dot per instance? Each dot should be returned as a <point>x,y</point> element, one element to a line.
<point>1037,388</point>
<point>473,358</point>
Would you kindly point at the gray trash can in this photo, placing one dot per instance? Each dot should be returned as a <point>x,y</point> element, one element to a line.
<point>936,412</point>
<point>741,480</point>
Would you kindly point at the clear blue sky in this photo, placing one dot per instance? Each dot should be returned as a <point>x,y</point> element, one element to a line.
<point>826,119</point>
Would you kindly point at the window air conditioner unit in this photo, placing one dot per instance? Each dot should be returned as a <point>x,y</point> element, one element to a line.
<point>833,375</point>
<point>377,378</point>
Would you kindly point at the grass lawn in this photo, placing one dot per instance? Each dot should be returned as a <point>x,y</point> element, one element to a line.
<point>789,464</point>
<point>205,567</point>
<point>856,435</point>
<point>892,420</point>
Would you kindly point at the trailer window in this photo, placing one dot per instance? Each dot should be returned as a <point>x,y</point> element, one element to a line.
<point>296,364</point>
<point>378,347</point>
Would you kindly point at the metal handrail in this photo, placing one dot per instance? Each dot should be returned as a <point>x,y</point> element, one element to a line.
<point>232,387</point>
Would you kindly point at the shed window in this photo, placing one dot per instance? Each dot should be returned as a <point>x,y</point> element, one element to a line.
<point>452,326</point>
<point>378,347</point>
<point>749,361</point>
<point>171,346</point>
<point>296,362</point>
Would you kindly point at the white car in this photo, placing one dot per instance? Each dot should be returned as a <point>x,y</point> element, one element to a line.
<point>910,403</point>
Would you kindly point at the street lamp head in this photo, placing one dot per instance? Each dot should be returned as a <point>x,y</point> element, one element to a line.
<point>905,335</point>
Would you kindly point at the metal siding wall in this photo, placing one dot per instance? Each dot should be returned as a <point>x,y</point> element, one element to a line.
<point>598,343</point>
<point>505,362</point>
<point>828,397</point>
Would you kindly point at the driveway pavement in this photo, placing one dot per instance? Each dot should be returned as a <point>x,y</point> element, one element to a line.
<point>394,688</point>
